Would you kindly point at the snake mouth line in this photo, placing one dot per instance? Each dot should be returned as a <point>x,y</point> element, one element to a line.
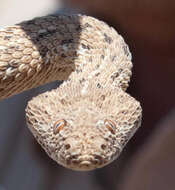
<point>85,162</point>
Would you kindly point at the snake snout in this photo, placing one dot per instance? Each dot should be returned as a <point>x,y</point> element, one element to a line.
<point>85,165</point>
<point>83,162</point>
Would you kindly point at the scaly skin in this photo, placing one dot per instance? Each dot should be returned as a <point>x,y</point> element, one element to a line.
<point>94,117</point>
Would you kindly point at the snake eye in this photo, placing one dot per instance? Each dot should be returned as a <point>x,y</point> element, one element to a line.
<point>110,125</point>
<point>59,125</point>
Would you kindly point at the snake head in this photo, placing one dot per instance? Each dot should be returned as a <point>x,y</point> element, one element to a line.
<point>83,131</point>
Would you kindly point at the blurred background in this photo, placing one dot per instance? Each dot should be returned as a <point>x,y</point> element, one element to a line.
<point>148,161</point>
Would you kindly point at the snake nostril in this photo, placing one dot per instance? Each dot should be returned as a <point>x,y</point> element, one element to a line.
<point>67,146</point>
<point>74,156</point>
<point>84,134</point>
<point>103,146</point>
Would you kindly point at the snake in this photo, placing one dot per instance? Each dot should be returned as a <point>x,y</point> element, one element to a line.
<point>86,121</point>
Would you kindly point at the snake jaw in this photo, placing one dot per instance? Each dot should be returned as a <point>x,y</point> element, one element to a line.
<point>98,154</point>
<point>83,156</point>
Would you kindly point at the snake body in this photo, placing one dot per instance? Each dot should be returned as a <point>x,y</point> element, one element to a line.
<point>86,122</point>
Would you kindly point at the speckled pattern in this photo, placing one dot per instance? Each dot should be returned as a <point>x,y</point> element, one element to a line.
<point>95,63</point>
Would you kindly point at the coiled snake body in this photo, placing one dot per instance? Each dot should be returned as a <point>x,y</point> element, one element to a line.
<point>84,123</point>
